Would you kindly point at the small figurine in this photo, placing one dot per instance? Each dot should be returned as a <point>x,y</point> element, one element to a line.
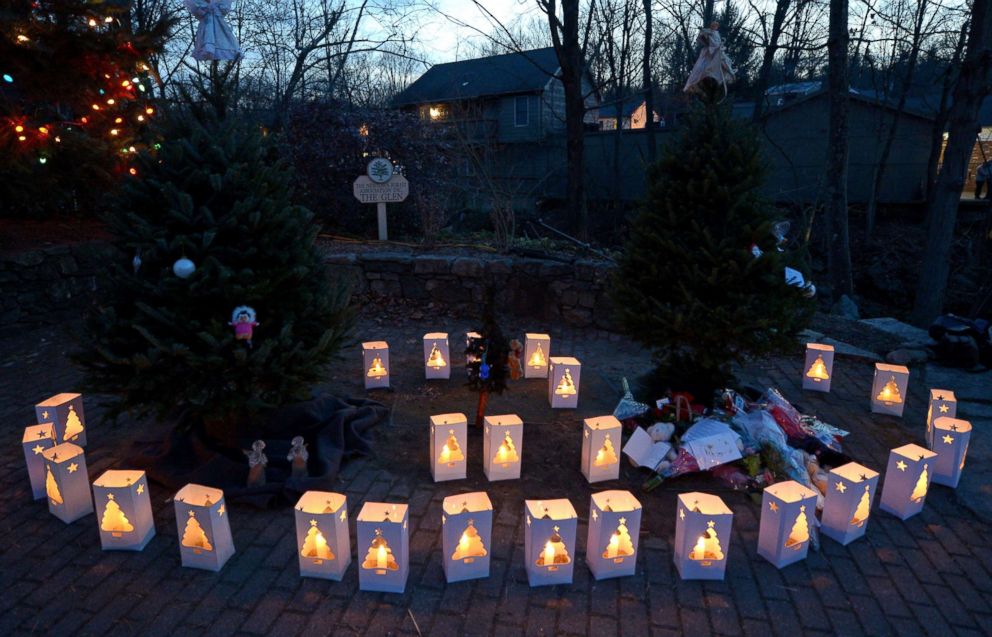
<point>243,322</point>
<point>514,358</point>
<point>712,63</point>
<point>298,455</point>
<point>256,464</point>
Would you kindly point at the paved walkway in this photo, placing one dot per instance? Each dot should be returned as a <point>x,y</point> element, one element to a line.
<point>929,575</point>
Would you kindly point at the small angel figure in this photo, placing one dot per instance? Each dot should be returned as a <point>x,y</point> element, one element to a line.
<point>514,358</point>
<point>243,322</point>
<point>712,62</point>
<point>256,464</point>
<point>298,455</point>
<point>214,39</point>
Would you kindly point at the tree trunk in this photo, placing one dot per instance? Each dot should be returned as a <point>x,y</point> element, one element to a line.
<point>647,83</point>
<point>480,409</point>
<point>707,12</point>
<point>971,88</point>
<point>768,58</point>
<point>838,241</point>
<point>943,112</point>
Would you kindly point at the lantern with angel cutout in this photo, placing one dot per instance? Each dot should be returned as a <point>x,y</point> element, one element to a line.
<point>502,447</point>
<point>847,504</point>
<point>601,448</point>
<point>204,529</point>
<point>563,382</point>
<point>466,536</point>
<point>537,350</point>
<point>123,510</point>
<point>612,539</point>
<point>322,540</point>
<point>907,480</point>
<point>376,357</point>
<point>942,404</point>
<point>383,547</point>
<point>437,357</point>
<point>819,367</point>
<point>702,536</point>
<point>549,541</point>
<point>65,412</point>
<point>67,484</point>
<point>449,440</point>
<point>37,438</point>
<point>950,440</point>
<point>787,511</point>
<point>888,390</point>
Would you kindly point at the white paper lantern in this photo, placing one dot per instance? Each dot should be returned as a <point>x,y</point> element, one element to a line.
<point>466,536</point>
<point>123,510</point>
<point>37,438</point>
<point>375,354</point>
<point>383,547</point>
<point>819,367</point>
<point>702,536</point>
<point>788,509</point>
<point>907,480</point>
<point>67,484</point>
<point>888,389</point>
<point>323,544</point>
<point>437,356</point>
<point>942,404</point>
<point>204,528</point>
<point>549,541</point>
<point>614,531</point>
<point>502,447</point>
<point>65,412</point>
<point>601,445</point>
<point>449,444</point>
<point>950,441</point>
<point>851,489</point>
<point>563,382</point>
<point>537,351</point>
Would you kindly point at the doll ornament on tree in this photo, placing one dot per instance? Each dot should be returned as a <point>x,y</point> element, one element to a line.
<point>244,324</point>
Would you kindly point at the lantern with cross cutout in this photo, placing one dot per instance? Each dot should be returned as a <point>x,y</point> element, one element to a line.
<point>65,412</point>
<point>601,446</point>
<point>612,539</point>
<point>537,351</point>
<point>907,480</point>
<point>950,441</point>
<point>888,389</point>
<point>466,536</point>
<point>204,529</point>
<point>322,542</point>
<point>437,356</point>
<point>549,541</point>
<point>123,510</point>
<point>702,536</point>
<point>502,447</point>
<point>37,438</point>
<point>563,382</point>
<point>942,404</point>
<point>787,511</point>
<point>449,443</point>
<point>851,489</point>
<point>383,547</point>
<point>67,484</point>
<point>375,355</point>
<point>819,367</point>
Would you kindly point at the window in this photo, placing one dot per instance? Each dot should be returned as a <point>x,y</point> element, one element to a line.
<point>521,114</point>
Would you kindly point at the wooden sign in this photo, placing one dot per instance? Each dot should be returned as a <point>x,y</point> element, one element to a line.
<point>393,191</point>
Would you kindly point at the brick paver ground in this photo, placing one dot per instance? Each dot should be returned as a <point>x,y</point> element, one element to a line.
<point>929,575</point>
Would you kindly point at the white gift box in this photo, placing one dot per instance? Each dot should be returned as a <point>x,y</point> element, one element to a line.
<point>888,389</point>
<point>437,356</point>
<point>645,452</point>
<point>614,529</point>
<point>537,351</point>
<point>123,510</point>
<point>563,382</point>
<point>702,536</point>
<point>449,441</point>
<point>375,355</point>
<point>907,480</point>
<point>851,489</point>
<point>549,541</point>
<point>37,438</point>
<point>67,484</point>
<point>65,412</point>
<point>942,404</point>
<point>787,511</point>
<point>323,544</point>
<point>601,439</point>
<point>819,367</point>
<point>950,441</point>
<point>383,547</point>
<point>204,529</point>
<point>466,536</point>
<point>502,447</point>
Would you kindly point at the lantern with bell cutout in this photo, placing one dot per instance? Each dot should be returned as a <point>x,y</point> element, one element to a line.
<point>123,510</point>
<point>702,536</point>
<point>549,541</point>
<point>376,357</point>
<point>502,447</point>
<point>537,350</point>
<point>563,382</point>
<point>383,547</point>
<point>204,529</point>
<point>601,448</point>
<point>437,357</point>
<point>466,536</point>
<point>888,390</point>
<point>322,540</point>
<point>449,441</point>
<point>614,528</point>
<point>907,479</point>
<point>37,438</point>
<point>819,367</point>
<point>787,510</point>
<point>950,440</point>
<point>942,404</point>
<point>67,484</point>
<point>851,489</point>
<point>65,412</point>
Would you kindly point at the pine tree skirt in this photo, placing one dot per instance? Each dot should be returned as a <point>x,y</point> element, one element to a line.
<point>334,429</point>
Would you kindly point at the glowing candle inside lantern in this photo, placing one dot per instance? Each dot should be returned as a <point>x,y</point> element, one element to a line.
<point>436,358</point>
<point>537,360</point>
<point>614,546</point>
<point>890,393</point>
<point>445,454</point>
<point>818,371</point>
<point>380,556</point>
<point>463,544</point>
<point>377,369</point>
<point>549,553</point>
<point>699,552</point>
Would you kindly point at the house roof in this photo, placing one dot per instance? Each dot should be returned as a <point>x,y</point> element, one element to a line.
<point>745,109</point>
<point>520,72</point>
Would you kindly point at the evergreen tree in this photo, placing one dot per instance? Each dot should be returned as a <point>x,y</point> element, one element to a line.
<point>688,285</point>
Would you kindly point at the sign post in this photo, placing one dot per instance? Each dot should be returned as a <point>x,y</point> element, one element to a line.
<point>380,186</point>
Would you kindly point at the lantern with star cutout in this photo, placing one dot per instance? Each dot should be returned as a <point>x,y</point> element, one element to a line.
<point>65,412</point>
<point>851,489</point>
<point>787,511</point>
<point>950,441</point>
<point>323,545</point>
<point>563,382</point>
<point>123,510</point>
<point>612,539</point>
<point>702,536</point>
<point>942,404</point>
<point>537,350</point>
<point>549,541</point>
<point>67,484</point>
<point>888,389</point>
<point>502,447</point>
<point>819,367</point>
<point>437,357</point>
<point>37,438</point>
<point>466,536</point>
<point>383,547</point>
<point>375,354</point>
<point>601,448</point>
<point>204,529</point>
<point>449,442</point>
<point>907,480</point>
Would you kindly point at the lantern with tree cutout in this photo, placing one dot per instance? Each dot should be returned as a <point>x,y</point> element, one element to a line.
<point>819,367</point>
<point>449,440</point>
<point>322,540</point>
<point>907,480</point>
<point>601,445</point>
<point>502,447</point>
<point>612,539</point>
<point>65,412</point>
<point>942,404</point>
<point>204,529</point>
<point>437,356</point>
<point>549,541</point>
<point>847,505</point>
<point>563,382</point>
<point>375,355</point>
<point>383,547</point>
<point>67,484</point>
<point>537,350</point>
<point>123,510</point>
<point>466,536</point>
<point>37,438</point>
<point>702,536</point>
<point>888,389</point>
<point>787,511</point>
<point>950,441</point>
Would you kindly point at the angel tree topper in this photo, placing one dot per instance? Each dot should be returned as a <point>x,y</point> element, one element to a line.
<point>214,39</point>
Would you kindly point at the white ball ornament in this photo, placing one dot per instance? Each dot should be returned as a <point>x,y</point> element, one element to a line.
<point>183,268</point>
